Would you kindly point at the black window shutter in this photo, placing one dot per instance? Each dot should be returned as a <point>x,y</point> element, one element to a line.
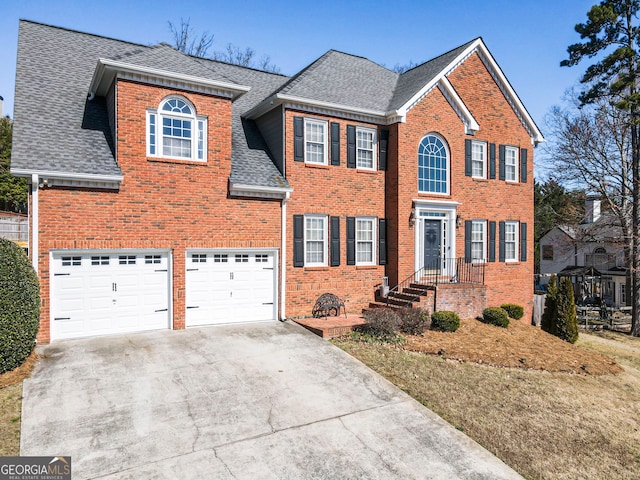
<point>523,242</point>
<point>467,157</point>
<point>492,241</point>
<point>384,143</point>
<point>298,139</point>
<point>467,240</point>
<point>523,165</point>
<point>335,241</point>
<point>351,146</point>
<point>298,240</point>
<point>335,143</point>
<point>492,161</point>
<point>382,241</point>
<point>502,159</point>
<point>351,240</point>
<point>501,253</point>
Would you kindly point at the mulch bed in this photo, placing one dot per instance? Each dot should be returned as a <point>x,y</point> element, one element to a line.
<point>20,373</point>
<point>519,345</point>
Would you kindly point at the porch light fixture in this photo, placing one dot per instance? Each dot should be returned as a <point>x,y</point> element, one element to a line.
<point>412,218</point>
<point>458,221</point>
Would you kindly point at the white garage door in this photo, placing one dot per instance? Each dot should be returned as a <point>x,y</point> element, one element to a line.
<point>230,287</point>
<point>101,293</point>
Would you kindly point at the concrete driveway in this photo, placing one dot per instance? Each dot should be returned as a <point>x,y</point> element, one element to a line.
<point>259,401</point>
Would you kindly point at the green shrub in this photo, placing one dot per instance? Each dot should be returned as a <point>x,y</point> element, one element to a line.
<point>445,321</point>
<point>414,321</point>
<point>513,310</point>
<point>19,306</point>
<point>495,316</point>
<point>567,320</point>
<point>549,319</point>
<point>382,321</point>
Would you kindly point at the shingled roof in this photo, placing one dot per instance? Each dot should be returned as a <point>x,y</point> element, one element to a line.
<point>57,130</point>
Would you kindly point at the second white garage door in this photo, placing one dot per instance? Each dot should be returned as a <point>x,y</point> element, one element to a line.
<point>230,287</point>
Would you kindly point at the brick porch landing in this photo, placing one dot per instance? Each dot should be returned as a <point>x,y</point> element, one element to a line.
<point>330,327</point>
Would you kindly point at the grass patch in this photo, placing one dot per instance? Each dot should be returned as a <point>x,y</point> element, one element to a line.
<point>11,405</point>
<point>560,422</point>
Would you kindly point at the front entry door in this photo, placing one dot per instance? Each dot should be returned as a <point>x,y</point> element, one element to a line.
<point>432,243</point>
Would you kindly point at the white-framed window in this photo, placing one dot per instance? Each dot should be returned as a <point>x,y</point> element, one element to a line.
<point>511,241</point>
<point>623,294</point>
<point>478,241</point>
<point>478,159</point>
<point>175,131</point>
<point>511,164</point>
<point>315,141</point>
<point>365,148</point>
<point>315,240</point>
<point>433,165</point>
<point>365,244</point>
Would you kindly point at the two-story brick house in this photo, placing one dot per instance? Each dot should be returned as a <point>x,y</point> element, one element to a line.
<point>170,191</point>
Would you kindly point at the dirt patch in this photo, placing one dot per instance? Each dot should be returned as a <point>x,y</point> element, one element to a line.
<point>20,373</point>
<point>519,345</point>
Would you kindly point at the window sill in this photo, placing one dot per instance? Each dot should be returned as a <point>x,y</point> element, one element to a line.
<point>512,263</point>
<point>439,195</point>
<point>317,165</point>
<point>366,267</point>
<point>366,170</point>
<point>176,160</point>
<point>479,179</point>
<point>316,269</point>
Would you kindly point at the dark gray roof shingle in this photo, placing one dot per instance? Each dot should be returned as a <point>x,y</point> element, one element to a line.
<point>344,79</point>
<point>57,129</point>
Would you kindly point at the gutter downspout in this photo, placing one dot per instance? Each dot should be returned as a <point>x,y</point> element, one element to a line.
<point>283,258</point>
<point>33,251</point>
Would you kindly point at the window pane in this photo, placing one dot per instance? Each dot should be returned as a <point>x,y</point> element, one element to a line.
<point>315,240</point>
<point>432,165</point>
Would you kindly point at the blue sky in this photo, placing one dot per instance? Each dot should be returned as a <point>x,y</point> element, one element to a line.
<point>528,38</point>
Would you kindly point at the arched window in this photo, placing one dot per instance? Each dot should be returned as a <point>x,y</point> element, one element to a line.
<point>600,250</point>
<point>175,131</point>
<point>433,165</point>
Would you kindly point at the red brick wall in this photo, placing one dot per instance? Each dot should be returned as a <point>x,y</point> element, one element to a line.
<point>160,204</point>
<point>334,191</point>
<point>493,200</point>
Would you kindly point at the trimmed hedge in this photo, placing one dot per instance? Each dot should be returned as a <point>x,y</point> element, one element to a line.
<point>496,316</point>
<point>514,311</point>
<point>414,321</point>
<point>19,306</point>
<point>445,321</point>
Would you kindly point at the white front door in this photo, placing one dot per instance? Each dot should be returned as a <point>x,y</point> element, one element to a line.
<point>230,287</point>
<point>102,293</point>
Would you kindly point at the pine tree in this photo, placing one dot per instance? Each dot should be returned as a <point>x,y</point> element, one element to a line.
<point>550,314</point>
<point>567,321</point>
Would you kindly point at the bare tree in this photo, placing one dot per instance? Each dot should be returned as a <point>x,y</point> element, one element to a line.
<point>590,148</point>
<point>244,57</point>
<point>191,43</point>
<point>185,40</point>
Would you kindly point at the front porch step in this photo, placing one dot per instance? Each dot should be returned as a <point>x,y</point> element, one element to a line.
<point>425,287</point>
<point>407,296</point>
<point>399,302</point>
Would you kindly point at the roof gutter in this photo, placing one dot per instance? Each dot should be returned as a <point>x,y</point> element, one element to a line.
<point>106,70</point>
<point>329,108</point>
<point>244,190</point>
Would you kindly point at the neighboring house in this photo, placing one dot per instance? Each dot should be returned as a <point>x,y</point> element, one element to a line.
<point>170,191</point>
<point>596,243</point>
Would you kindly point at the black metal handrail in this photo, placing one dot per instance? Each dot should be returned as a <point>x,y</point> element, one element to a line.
<point>444,271</point>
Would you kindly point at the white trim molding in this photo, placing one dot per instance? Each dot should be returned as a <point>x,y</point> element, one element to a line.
<point>108,70</point>
<point>64,179</point>
<point>257,191</point>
